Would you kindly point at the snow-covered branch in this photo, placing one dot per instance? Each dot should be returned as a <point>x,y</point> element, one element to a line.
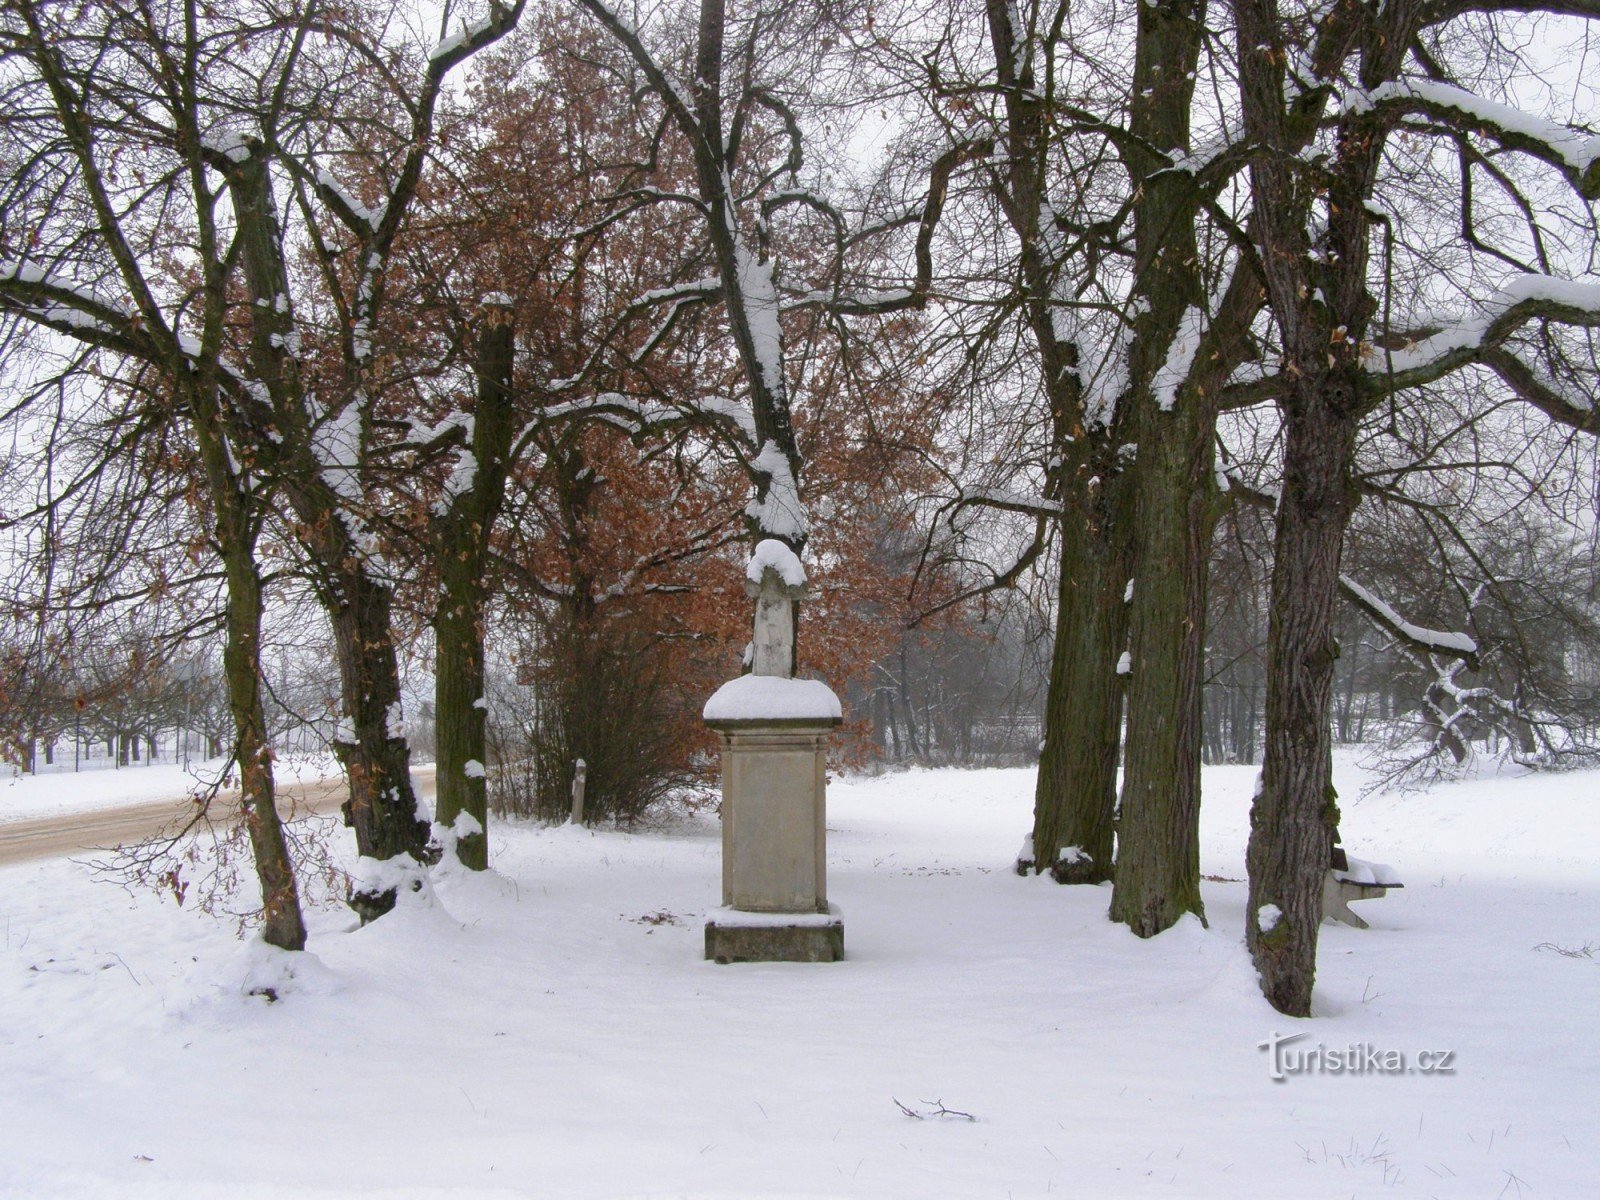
<point>1575,153</point>
<point>1416,637</point>
<point>624,30</point>
<point>1523,298</point>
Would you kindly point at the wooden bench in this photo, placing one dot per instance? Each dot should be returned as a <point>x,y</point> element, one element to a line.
<point>1350,879</point>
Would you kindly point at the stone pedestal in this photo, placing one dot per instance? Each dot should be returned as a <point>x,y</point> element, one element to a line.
<point>736,936</point>
<point>774,871</point>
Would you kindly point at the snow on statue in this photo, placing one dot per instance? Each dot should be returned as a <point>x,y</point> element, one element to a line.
<point>775,580</point>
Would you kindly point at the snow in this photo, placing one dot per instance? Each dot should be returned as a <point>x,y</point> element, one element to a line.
<point>462,479</point>
<point>1468,333</point>
<point>1267,917</point>
<point>780,514</point>
<point>26,272</point>
<point>1125,663</point>
<point>1577,150</point>
<point>1006,498</point>
<point>551,1029</point>
<point>771,698</point>
<point>730,410</point>
<point>759,295</point>
<point>1430,637</point>
<point>328,181</point>
<point>770,552</point>
<point>472,769</point>
<point>738,918</point>
<point>1372,873</point>
<point>468,35</point>
<point>1180,358</point>
<point>336,443</point>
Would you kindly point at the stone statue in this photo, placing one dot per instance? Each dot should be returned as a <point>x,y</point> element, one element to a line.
<point>774,628</point>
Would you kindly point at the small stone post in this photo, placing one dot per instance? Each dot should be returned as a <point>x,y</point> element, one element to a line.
<point>774,731</point>
<point>580,775</point>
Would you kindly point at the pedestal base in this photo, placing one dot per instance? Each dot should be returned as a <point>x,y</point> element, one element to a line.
<point>736,936</point>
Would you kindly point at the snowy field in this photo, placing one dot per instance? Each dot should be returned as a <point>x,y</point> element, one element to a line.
<point>26,797</point>
<point>551,1030</point>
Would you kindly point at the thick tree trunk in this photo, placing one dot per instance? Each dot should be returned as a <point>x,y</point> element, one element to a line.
<point>1158,840</point>
<point>1158,832</point>
<point>382,808</point>
<point>1074,808</point>
<point>1320,294</point>
<point>462,539</point>
<point>1295,815</point>
<point>1075,793</point>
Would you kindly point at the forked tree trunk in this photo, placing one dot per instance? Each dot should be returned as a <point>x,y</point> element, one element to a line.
<point>382,808</point>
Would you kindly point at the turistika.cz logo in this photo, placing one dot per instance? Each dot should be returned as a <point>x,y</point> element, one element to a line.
<point>1285,1058</point>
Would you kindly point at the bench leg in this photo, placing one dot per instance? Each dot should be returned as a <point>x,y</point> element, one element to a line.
<point>1336,905</point>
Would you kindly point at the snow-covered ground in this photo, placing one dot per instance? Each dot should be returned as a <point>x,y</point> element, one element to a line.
<point>26,797</point>
<point>552,1031</point>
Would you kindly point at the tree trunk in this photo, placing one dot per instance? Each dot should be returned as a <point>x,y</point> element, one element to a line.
<point>1295,814</point>
<point>382,808</point>
<point>1158,830</point>
<point>236,528</point>
<point>283,925</point>
<point>462,540</point>
<point>1319,289</point>
<point>1076,794</point>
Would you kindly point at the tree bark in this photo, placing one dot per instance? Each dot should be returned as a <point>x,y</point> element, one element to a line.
<point>1075,793</point>
<point>235,530</point>
<point>1075,797</point>
<point>382,808</point>
<point>283,925</point>
<point>462,542</point>
<point>1320,295</point>
<point>1158,851</point>
<point>1295,814</point>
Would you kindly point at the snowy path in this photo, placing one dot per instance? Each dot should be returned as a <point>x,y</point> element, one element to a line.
<point>551,1030</point>
<point>98,829</point>
<point>59,793</point>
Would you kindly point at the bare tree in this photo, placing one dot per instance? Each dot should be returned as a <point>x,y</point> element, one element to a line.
<point>1319,177</point>
<point>151,149</point>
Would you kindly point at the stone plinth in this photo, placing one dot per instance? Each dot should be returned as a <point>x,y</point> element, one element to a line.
<point>774,736</point>
<point>736,936</point>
